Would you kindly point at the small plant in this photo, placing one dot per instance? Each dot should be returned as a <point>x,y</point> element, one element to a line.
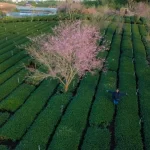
<point>70,51</point>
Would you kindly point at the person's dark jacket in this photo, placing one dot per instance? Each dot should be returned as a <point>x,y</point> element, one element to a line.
<point>117,96</point>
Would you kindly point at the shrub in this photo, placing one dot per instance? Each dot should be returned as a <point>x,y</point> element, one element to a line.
<point>126,44</point>
<point>127,119</point>
<point>18,124</point>
<point>8,63</point>
<point>127,123</point>
<point>58,17</point>
<point>126,66</point>
<point>138,44</point>
<point>12,83</point>
<point>127,19</point>
<point>12,70</point>
<point>143,83</point>
<point>17,98</point>
<point>114,53</point>
<point>70,129</point>
<point>3,147</point>
<point>3,117</point>
<point>90,3</point>
<point>96,139</point>
<point>49,117</point>
<point>103,109</point>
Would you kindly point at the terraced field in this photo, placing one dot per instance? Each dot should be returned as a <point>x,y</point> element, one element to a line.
<point>41,117</point>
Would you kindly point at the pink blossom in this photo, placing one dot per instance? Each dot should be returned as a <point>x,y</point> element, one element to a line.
<point>71,50</point>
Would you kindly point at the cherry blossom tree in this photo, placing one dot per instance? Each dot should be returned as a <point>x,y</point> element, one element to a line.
<point>71,50</point>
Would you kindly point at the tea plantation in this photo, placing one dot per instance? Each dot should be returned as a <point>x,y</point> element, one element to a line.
<point>40,117</point>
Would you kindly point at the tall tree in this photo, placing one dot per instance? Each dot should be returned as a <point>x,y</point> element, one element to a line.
<point>70,51</point>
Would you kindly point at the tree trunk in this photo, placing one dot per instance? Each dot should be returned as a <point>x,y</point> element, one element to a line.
<point>66,87</point>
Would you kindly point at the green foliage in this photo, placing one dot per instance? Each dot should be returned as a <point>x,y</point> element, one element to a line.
<point>3,147</point>
<point>22,119</point>
<point>57,17</point>
<point>142,30</point>
<point>126,47</point>
<point>100,114</point>
<point>143,82</point>
<point>8,54</point>
<point>73,121</point>
<point>126,66</point>
<point>135,19</point>
<point>103,109</point>
<point>12,83</point>
<point>140,49</point>
<point>6,48</point>
<point>147,47</point>
<point>127,129</point>
<point>144,34</point>
<point>45,122</point>
<point>3,117</point>
<point>127,124</point>
<point>138,46</point>
<point>114,53</point>
<point>12,70</point>
<point>102,54</point>
<point>8,63</point>
<point>143,20</point>
<point>127,30</point>
<point>37,65</point>
<point>96,139</point>
<point>110,31</point>
<point>17,98</point>
<point>70,129</point>
<point>122,2</point>
<point>17,33</point>
<point>127,19</point>
<point>145,113</point>
<point>91,3</point>
<point>99,138</point>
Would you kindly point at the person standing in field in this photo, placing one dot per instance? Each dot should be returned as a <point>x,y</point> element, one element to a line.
<point>116,95</point>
